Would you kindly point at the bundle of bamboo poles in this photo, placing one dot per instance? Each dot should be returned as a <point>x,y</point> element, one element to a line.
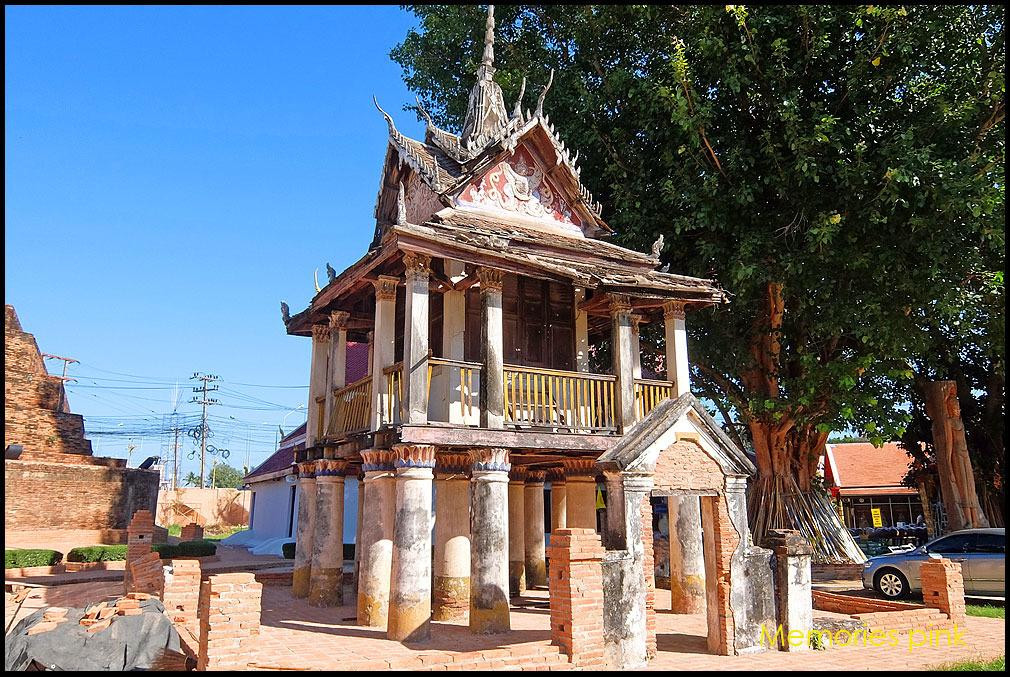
<point>778,503</point>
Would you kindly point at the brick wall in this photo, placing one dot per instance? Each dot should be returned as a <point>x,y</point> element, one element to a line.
<point>943,587</point>
<point>56,483</point>
<point>685,466</point>
<point>725,540</point>
<point>576,594</point>
<point>649,565</point>
<point>851,604</point>
<point>191,532</point>
<point>47,495</point>
<point>229,616</point>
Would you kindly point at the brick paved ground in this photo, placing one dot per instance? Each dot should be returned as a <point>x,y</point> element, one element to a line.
<point>297,635</point>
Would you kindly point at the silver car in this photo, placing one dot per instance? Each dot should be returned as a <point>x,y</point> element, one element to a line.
<point>981,552</point>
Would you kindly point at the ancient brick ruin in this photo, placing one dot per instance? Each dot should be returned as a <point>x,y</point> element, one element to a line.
<point>57,483</point>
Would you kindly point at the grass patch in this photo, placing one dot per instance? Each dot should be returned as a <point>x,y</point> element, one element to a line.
<point>175,530</point>
<point>17,558</point>
<point>994,665</point>
<point>217,536</point>
<point>985,610</point>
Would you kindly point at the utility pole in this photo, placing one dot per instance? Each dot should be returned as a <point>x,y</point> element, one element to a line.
<point>175,454</point>
<point>204,401</point>
<point>67,361</point>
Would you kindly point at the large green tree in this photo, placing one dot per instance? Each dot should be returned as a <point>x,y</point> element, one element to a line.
<point>837,168</point>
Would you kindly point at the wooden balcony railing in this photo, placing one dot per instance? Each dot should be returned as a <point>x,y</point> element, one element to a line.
<point>320,415</point>
<point>394,391</point>
<point>648,394</point>
<point>559,399</point>
<point>352,407</point>
<point>456,372</point>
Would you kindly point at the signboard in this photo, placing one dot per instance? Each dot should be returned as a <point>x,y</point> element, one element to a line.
<point>877,521</point>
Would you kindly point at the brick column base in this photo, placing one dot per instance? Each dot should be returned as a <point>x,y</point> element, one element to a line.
<point>576,595</point>
<point>229,615</point>
<point>182,594</point>
<point>139,536</point>
<point>943,588</point>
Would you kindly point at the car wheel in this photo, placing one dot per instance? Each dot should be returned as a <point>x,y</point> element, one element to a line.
<point>891,584</point>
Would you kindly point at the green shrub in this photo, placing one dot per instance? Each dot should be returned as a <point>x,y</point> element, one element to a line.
<point>98,553</point>
<point>17,558</point>
<point>201,548</point>
<point>289,550</point>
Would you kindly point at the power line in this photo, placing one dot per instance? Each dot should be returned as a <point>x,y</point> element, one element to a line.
<point>204,401</point>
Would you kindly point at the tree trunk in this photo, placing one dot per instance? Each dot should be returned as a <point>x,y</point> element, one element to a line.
<point>782,495</point>
<point>953,465</point>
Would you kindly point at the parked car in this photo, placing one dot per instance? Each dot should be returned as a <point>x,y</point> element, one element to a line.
<point>981,552</point>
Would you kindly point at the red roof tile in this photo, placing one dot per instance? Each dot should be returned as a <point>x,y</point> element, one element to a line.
<point>283,457</point>
<point>357,361</point>
<point>856,466</point>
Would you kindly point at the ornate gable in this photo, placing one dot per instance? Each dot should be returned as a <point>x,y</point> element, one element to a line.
<point>518,185</point>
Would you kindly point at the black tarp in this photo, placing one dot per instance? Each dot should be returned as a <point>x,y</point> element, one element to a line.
<point>129,643</point>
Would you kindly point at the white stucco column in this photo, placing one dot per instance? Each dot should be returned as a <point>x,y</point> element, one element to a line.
<point>624,360</point>
<point>383,346</point>
<point>451,597</point>
<point>489,547</point>
<point>337,361</point>
<point>414,408</point>
<point>517,531</point>
<point>492,381</point>
<point>410,574</point>
<point>677,369</point>
<point>376,537</point>
<point>559,496</point>
<point>580,490</point>
<point>636,344</point>
<point>453,342</point>
<point>326,580</point>
<point>533,513</point>
<point>301,577</point>
<point>581,332</point>
<point>687,555</point>
<point>317,384</point>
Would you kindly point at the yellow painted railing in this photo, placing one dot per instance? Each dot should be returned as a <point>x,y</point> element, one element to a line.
<point>648,394</point>
<point>559,399</point>
<point>394,391</point>
<point>352,407</point>
<point>457,372</point>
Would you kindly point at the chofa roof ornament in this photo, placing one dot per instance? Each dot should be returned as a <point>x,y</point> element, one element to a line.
<point>485,111</point>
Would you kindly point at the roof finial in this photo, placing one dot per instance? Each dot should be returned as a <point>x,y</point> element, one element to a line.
<point>518,111</point>
<point>487,61</point>
<point>543,95</point>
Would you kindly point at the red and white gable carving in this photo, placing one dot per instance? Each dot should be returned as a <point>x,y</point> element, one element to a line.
<point>519,186</point>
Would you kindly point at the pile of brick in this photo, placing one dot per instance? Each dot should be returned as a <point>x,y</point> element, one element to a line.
<point>182,593</point>
<point>97,617</point>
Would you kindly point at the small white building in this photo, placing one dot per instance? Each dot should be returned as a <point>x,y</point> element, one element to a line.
<point>273,515</point>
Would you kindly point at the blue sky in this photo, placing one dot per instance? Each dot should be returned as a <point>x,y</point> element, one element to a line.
<point>172,174</point>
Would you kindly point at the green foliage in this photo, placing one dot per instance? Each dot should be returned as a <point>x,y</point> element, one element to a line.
<point>174,529</point>
<point>17,558</point>
<point>199,548</point>
<point>225,476</point>
<point>853,154</point>
<point>288,550</point>
<point>98,553</point>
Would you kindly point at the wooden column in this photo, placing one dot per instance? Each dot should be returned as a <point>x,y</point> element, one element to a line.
<point>676,348</point>
<point>492,380</point>
<point>624,361</point>
<point>317,383</point>
<point>383,346</point>
<point>414,408</point>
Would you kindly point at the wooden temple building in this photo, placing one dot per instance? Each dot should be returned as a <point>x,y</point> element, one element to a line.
<point>486,289</point>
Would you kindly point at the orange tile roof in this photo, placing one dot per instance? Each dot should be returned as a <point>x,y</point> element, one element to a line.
<point>857,466</point>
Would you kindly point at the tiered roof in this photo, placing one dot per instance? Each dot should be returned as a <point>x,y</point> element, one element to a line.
<point>446,168</point>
